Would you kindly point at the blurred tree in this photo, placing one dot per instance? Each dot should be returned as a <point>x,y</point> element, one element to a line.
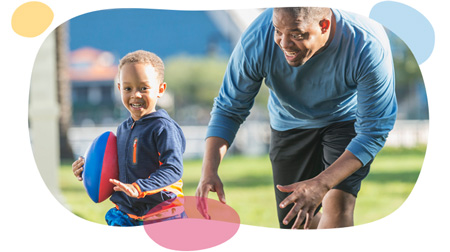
<point>406,67</point>
<point>64,90</point>
<point>194,82</point>
<point>410,89</point>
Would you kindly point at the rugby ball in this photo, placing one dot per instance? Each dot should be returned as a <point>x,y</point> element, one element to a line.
<point>101,165</point>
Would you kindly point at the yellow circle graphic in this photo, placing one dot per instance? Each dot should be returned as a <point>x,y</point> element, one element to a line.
<point>31,19</point>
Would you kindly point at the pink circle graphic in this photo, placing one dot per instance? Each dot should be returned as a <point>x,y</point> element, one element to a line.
<point>199,230</point>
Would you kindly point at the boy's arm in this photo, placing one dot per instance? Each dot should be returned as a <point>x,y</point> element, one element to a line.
<point>171,144</point>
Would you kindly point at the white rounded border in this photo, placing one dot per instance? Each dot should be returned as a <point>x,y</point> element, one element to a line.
<point>34,219</point>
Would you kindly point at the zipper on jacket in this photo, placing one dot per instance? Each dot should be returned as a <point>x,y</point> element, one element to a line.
<point>135,150</point>
<point>127,152</point>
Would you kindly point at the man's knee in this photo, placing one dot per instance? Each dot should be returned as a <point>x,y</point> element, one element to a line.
<point>339,203</point>
<point>337,210</point>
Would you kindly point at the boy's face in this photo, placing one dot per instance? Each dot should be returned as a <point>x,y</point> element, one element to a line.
<point>140,89</point>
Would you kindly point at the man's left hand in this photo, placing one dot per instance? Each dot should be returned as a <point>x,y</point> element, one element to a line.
<point>306,197</point>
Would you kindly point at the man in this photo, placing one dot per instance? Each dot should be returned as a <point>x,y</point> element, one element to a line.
<point>332,104</point>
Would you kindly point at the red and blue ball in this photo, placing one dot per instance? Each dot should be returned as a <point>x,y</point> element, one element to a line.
<point>101,165</point>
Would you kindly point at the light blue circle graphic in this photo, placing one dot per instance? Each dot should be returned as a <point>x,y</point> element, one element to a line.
<point>409,25</point>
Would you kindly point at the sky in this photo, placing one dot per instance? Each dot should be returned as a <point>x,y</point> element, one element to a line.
<point>165,32</point>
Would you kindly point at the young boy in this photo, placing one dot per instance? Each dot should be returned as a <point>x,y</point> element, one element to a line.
<point>150,147</point>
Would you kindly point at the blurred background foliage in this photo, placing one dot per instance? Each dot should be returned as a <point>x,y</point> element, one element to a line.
<point>193,82</point>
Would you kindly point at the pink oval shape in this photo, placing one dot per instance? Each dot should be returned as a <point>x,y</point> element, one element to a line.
<point>196,232</point>
<point>191,234</point>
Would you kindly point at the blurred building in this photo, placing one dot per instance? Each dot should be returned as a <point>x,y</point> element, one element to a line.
<point>92,74</point>
<point>99,39</point>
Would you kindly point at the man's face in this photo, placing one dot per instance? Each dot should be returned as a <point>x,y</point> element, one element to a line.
<point>140,89</point>
<point>298,40</point>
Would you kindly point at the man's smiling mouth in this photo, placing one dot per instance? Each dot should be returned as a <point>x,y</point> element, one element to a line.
<point>290,54</point>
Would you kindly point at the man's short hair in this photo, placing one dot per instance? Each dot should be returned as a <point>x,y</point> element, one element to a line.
<point>307,14</point>
<point>144,57</point>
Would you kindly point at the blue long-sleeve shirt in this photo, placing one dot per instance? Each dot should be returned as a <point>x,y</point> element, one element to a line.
<point>353,78</point>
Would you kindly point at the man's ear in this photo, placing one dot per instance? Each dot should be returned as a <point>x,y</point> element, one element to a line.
<point>118,86</point>
<point>162,89</point>
<point>325,25</point>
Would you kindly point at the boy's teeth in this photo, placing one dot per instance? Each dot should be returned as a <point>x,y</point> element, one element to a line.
<point>136,105</point>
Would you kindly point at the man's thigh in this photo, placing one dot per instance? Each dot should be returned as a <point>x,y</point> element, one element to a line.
<point>296,155</point>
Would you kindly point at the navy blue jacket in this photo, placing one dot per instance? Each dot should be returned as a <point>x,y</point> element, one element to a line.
<point>150,153</point>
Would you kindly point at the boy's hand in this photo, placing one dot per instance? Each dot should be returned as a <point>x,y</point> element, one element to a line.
<point>129,189</point>
<point>77,168</point>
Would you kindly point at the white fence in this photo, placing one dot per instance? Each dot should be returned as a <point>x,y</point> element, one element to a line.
<point>408,133</point>
<point>252,139</point>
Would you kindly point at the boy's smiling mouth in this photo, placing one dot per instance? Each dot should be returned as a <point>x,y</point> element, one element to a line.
<point>136,105</point>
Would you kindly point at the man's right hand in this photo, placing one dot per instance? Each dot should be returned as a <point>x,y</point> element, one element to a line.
<point>211,183</point>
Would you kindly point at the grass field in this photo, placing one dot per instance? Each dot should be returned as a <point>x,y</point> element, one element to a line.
<point>249,187</point>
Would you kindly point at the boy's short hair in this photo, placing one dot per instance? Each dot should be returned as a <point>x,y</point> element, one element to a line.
<point>144,57</point>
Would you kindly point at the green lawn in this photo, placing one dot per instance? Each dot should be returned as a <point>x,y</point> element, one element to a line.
<point>249,188</point>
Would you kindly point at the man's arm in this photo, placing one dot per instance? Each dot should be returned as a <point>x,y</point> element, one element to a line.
<point>241,83</point>
<point>216,149</point>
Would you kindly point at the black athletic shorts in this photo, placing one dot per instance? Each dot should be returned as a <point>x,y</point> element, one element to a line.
<point>301,154</point>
